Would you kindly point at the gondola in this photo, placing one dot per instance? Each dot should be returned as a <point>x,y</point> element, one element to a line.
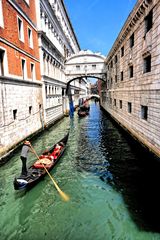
<point>85,107</point>
<point>82,113</point>
<point>36,172</point>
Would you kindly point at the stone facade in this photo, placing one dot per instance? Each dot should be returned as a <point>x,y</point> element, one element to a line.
<point>20,85</point>
<point>56,42</point>
<point>131,94</point>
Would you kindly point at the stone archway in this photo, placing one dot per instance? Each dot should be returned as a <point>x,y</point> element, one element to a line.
<point>85,64</point>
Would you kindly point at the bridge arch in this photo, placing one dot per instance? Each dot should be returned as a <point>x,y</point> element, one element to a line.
<point>83,78</point>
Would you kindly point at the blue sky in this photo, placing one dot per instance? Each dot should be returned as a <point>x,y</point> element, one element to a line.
<point>97,23</point>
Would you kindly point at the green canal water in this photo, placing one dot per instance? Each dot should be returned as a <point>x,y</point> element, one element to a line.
<point>104,177</point>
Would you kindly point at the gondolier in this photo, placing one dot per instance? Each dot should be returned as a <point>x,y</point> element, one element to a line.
<point>24,155</point>
<point>44,163</point>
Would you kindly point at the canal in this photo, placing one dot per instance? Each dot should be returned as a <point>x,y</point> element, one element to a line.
<point>113,186</point>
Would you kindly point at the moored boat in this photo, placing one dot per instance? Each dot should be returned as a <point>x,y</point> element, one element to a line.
<point>48,160</point>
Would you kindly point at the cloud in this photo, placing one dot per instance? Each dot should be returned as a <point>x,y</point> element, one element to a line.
<point>90,6</point>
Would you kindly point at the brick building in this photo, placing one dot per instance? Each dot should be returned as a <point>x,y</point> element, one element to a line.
<point>20,78</point>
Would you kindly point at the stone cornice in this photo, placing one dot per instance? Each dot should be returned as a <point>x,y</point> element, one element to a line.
<point>14,81</point>
<point>47,79</point>
<point>70,23</point>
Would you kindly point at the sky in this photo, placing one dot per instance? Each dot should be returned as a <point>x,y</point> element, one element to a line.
<point>97,23</point>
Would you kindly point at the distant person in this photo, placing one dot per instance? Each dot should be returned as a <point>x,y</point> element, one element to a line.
<point>24,155</point>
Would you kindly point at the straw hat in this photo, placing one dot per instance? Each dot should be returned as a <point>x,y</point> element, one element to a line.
<point>27,142</point>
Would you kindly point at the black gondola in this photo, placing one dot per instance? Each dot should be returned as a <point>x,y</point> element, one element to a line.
<point>85,108</point>
<point>36,172</point>
<point>82,113</point>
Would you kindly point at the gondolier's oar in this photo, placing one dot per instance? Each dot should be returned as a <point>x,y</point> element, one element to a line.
<point>63,195</point>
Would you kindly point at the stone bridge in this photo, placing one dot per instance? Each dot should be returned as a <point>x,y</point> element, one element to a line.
<point>85,64</point>
<point>94,96</point>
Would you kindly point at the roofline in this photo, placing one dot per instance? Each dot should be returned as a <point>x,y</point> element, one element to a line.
<point>62,1</point>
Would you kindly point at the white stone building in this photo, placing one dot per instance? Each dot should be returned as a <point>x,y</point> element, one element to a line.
<point>132,96</point>
<point>57,41</point>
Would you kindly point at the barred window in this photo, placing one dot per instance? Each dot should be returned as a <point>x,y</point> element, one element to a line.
<point>131,71</point>
<point>148,21</point>
<point>144,112</point>
<point>132,40</point>
<point>120,104</point>
<point>122,76</point>
<point>147,64</point>
<point>129,107</point>
<point>122,51</point>
<point>115,59</point>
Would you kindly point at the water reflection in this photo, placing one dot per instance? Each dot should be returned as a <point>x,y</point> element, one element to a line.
<point>110,154</point>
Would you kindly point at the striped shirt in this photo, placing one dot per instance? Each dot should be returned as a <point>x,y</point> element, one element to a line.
<point>25,151</point>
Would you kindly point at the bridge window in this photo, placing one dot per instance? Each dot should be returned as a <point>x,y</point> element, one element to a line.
<point>94,66</point>
<point>77,67</point>
<point>144,112</point>
<point>115,78</point>
<point>115,102</point>
<point>122,51</point>
<point>129,107</point>
<point>111,64</point>
<point>132,40</point>
<point>147,64</point>
<point>110,101</point>
<point>148,21</point>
